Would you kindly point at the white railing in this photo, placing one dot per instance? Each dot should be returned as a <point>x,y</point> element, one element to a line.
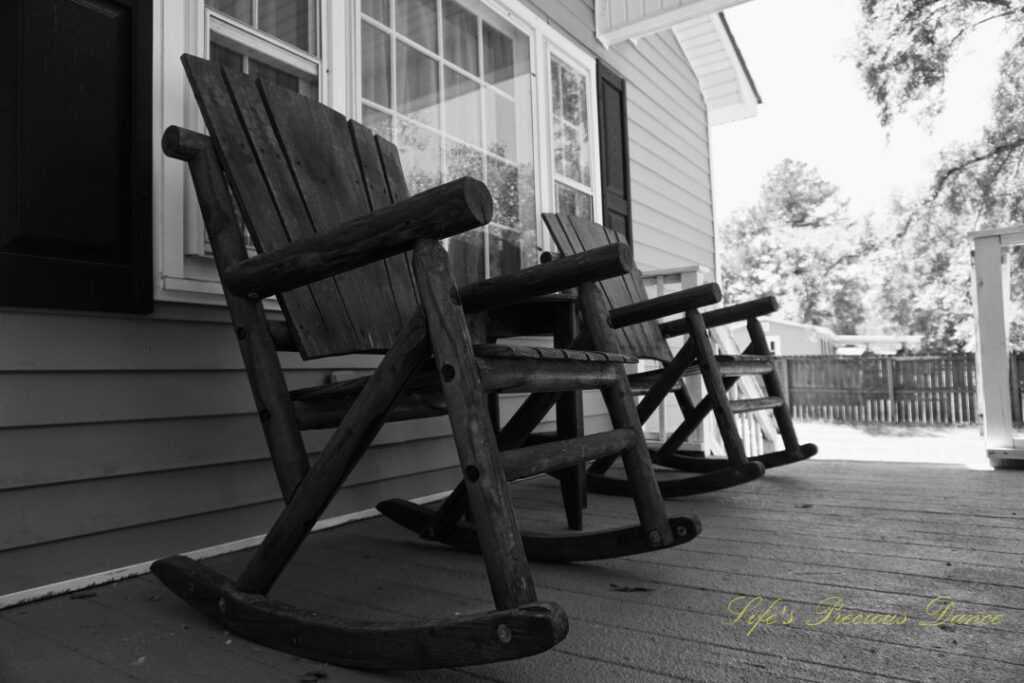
<point>991,274</point>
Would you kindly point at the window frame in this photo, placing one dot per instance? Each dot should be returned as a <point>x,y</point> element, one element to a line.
<point>586,63</point>
<point>183,271</point>
<point>545,41</point>
<point>250,42</point>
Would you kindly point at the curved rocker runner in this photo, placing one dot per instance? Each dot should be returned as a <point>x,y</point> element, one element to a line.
<point>358,268</point>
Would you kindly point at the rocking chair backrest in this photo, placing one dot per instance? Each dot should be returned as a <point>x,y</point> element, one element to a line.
<point>297,168</point>
<point>574,235</point>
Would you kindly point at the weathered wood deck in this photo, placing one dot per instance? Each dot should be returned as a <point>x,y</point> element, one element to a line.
<point>886,538</point>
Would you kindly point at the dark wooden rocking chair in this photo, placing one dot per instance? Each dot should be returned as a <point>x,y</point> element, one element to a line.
<point>357,267</point>
<point>634,319</point>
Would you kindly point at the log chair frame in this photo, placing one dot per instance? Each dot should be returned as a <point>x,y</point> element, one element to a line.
<point>433,343</point>
<point>631,325</point>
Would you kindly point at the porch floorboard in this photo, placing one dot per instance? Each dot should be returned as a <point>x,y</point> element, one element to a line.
<point>884,537</point>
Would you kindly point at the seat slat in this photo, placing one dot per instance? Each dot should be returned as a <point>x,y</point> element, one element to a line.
<point>506,351</point>
<point>428,378</point>
<point>749,405</point>
<point>254,198</point>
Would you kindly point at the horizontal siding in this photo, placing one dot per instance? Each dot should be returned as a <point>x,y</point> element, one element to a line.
<point>40,565</point>
<point>670,165</point>
<point>41,514</point>
<point>124,439</point>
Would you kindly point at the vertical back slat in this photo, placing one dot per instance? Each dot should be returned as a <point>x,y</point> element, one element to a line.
<point>613,289</point>
<point>280,183</point>
<point>385,183</point>
<point>323,160</point>
<point>298,168</point>
<point>254,197</point>
<point>576,235</point>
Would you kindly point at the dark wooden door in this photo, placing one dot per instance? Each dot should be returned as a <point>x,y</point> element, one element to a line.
<point>75,180</point>
<point>614,142</point>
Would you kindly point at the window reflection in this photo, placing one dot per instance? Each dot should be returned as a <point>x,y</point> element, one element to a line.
<point>417,19</point>
<point>570,139</point>
<point>293,21</point>
<point>418,93</point>
<point>460,104</point>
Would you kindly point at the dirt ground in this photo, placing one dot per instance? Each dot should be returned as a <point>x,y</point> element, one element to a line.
<point>897,443</point>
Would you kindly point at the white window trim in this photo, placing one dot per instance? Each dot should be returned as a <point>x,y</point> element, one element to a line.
<point>181,274</point>
<point>577,58</point>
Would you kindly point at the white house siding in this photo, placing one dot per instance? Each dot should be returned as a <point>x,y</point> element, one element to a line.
<point>126,438</point>
<point>670,167</point>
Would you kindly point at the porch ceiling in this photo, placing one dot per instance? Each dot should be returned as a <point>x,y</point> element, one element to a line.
<point>704,36</point>
<point>619,20</point>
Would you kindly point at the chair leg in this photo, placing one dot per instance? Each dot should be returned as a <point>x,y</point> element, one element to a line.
<point>646,496</point>
<point>347,445</point>
<point>486,486</point>
<point>514,434</point>
<point>518,631</point>
<point>737,470</point>
<point>794,451</point>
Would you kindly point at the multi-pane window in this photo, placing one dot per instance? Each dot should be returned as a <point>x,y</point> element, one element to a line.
<point>449,82</point>
<point>276,40</point>
<point>574,191</point>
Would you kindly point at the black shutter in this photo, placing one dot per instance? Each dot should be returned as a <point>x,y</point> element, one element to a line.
<point>75,159</point>
<point>614,141</point>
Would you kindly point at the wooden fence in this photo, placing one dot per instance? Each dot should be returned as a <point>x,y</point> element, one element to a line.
<point>883,389</point>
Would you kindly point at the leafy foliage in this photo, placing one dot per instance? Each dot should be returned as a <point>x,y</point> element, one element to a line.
<point>905,51</point>
<point>798,243</point>
<point>905,48</point>
<point>925,270</point>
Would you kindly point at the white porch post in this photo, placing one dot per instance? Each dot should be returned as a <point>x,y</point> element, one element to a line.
<point>991,303</point>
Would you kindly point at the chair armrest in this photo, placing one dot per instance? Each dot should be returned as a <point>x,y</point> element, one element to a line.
<point>553,276</point>
<point>724,316</point>
<point>668,304</point>
<point>440,212</point>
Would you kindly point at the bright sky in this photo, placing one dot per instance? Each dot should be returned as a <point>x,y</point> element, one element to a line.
<point>815,109</point>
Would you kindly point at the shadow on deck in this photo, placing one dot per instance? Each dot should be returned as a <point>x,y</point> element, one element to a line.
<point>883,537</point>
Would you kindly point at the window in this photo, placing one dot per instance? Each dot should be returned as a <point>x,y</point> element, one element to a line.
<point>449,82</point>
<point>463,87</point>
<point>276,40</point>
<point>570,134</point>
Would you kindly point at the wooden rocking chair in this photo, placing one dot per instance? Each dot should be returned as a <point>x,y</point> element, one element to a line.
<point>634,319</point>
<point>326,204</point>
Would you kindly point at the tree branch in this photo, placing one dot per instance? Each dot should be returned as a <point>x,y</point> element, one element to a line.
<point>944,176</point>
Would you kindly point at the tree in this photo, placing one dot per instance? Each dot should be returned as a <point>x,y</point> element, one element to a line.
<point>905,48</point>
<point>904,54</point>
<point>925,270</point>
<point>798,243</point>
